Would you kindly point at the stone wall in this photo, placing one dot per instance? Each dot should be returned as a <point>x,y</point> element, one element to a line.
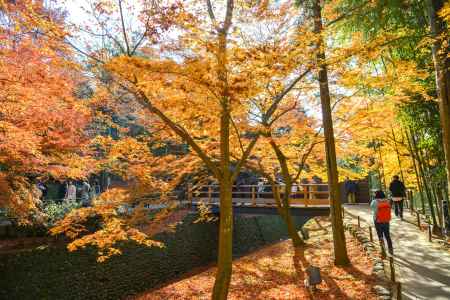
<point>54,273</point>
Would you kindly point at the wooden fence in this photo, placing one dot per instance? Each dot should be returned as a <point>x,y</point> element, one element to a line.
<point>253,195</point>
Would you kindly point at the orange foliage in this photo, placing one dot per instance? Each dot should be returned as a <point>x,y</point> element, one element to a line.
<point>42,124</point>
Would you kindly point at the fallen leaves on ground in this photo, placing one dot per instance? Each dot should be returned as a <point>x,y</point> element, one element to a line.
<point>277,272</point>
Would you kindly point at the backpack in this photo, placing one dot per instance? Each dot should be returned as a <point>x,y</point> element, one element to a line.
<point>383,212</point>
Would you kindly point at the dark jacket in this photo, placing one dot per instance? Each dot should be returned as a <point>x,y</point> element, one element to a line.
<point>397,188</point>
<point>350,186</point>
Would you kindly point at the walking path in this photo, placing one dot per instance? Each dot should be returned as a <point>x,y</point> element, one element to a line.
<point>422,268</point>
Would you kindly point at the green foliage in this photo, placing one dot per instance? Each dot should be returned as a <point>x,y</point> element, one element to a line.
<point>56,211</point>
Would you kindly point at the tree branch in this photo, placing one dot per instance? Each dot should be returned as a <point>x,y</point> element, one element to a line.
<point>124,32</point>
<point>277,99</point>
<point>178,129</point>
<point>211,14</point>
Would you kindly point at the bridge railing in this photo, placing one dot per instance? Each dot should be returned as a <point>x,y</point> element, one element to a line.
<point>253,195</point>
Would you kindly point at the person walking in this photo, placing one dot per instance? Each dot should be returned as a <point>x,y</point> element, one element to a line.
<point>381,209</point>
<point>398,192</point>
<point>71,192</point>
<point>350,187</point>
<point>85,189</point>
<point>260,188</point>
<point>294,190</point>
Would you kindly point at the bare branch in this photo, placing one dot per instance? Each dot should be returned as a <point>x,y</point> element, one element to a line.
<point>237,134</point>
<point>228,15</point>
<point>211,14</point>
<point>277,99</point>
<point>124,31</point>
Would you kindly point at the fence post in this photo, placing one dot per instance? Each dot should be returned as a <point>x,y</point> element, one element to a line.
<point>189,194</point>
<point>209,194</point>
<point>430,239</point>
<point>276,191</point>
<point>418,219</point>
<point>399,291</point>
<point>359,222</point>
<point>411,200</point>
<point>392,268</point>
<point>253,196</point>
<point>370,233</point>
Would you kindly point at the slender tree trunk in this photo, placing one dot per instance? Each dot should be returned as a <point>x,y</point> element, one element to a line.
<point>398,155</point>
<point>283,207</point>
<point>340,247</point>
<point>225,257</point>
<point>416,171</point>
<point>297,241</point>
<point>380,157</point>
<point>422,173</point>
<point>441,64</point>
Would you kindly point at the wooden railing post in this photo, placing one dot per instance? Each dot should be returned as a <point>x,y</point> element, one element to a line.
<point>392,267</point>
<point>276,192</point>
<point>430,233</point>
<point>359,222</point>
<point>209,194</point>
<point>370,233</point>
<point>253,196</point>
<point>189,194</point>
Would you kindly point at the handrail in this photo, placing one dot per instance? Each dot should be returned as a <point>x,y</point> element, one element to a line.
<point>266,185</point>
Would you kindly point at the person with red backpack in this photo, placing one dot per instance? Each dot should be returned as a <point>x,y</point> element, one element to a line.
<point>381,208</point>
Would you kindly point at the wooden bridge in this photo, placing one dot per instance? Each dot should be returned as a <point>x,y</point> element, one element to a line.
<point>305,199</point>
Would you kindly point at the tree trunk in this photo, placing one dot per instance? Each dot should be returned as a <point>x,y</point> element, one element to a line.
<point>416,171</point>
<point>297,241</point>
<point>225,257</point>
<point>441,65</point>
<point>398,156</point>
<point>424,178</point>
<point>340,247</point>
<point>380,158</point>
<point>283,208</point>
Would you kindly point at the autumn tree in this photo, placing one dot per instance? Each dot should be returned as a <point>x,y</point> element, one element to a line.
<point>201,86</point>
<point>42,124</point>
<point>288,151</point>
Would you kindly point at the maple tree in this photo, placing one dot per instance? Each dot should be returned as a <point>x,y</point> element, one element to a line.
<point>42,124</point>
<point>288,152</point>
<point>206,99</point>
<point>224,80</point>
